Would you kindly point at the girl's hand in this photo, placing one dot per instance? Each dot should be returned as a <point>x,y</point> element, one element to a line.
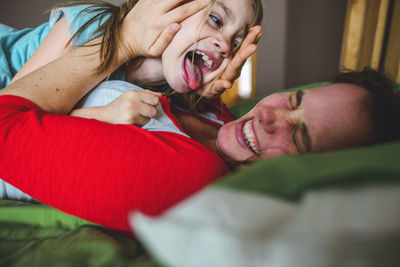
<point>232,71</point>
<point>151,24</point>
<point>132,107</point>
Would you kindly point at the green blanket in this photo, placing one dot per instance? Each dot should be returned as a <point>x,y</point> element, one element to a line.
<point>38,235</point>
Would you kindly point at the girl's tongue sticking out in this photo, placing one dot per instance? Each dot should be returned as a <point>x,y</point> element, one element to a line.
<point>198,63</point>
<point>193,75</point>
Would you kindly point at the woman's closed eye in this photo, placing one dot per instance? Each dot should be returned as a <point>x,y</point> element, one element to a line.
<point>295,99</point>
<point>299,131</point>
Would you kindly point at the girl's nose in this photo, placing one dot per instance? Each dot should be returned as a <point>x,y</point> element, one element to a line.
<point>222,46</point>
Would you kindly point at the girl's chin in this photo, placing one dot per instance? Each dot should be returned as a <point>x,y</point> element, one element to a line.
<point>179,87</point>
<point>181,90</point>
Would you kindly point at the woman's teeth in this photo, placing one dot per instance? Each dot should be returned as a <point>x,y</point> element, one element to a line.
<point>249,137</point>
<point>207,62</point>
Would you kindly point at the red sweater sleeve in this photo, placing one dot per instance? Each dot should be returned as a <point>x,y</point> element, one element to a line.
<point>99,171</point>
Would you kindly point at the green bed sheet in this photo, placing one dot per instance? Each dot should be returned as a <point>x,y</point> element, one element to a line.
<point>38,235</point>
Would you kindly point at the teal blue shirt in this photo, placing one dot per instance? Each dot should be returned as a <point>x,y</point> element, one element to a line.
<point>17,46</point>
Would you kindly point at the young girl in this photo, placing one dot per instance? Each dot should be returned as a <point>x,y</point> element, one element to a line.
<point>203,38</point>
<point>196,57</point>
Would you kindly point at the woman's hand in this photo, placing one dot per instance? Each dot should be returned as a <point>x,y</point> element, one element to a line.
<point>232,71</point>
<point>151,24</point>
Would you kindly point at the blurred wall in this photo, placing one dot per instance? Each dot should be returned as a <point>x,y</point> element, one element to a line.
<point>300,44</point>
<point>25,13</point>
<point>28,13</point>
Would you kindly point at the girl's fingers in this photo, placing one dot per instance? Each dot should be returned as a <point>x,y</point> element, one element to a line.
<point>147,110</point>
<point>153,93</point>
<point>216,88</point>
<point>233,69</point>
<point>245,51</point>
<point>150,98</point>
<point>253,36</point>
<point>186,10</point>
<point>140,120</point>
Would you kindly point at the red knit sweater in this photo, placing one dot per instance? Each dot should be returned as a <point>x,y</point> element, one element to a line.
<point>99,171</point>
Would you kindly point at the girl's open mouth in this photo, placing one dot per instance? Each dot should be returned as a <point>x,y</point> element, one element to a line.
<point>195,65</point>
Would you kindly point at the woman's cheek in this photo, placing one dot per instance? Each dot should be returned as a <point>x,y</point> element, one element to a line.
<point>224,144</point>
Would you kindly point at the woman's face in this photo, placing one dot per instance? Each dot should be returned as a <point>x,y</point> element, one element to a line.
<point>199,52</point>
<point>314,120</point>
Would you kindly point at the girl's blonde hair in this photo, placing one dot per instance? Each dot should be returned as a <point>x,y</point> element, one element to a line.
<point>110,32</point>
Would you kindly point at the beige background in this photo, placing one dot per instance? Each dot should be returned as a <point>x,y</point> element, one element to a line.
<point>301,41</point>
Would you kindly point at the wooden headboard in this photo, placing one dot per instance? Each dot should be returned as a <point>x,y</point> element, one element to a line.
<point>372,36</point>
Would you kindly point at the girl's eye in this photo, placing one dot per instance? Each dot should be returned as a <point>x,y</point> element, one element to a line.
<point>235,44</point>
<point>216,21</point>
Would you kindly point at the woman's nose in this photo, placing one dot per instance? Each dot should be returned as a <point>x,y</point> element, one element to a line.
<point>267,118</point>
<point>222,46</point>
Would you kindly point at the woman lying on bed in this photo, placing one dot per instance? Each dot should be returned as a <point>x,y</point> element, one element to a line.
<point>101,172</point>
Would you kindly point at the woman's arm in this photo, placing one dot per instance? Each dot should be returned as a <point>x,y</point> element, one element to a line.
<point>99,171</point>
<point>52,47</point>
<point>59,85</point>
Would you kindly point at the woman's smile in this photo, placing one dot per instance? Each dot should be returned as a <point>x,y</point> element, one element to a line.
<point>246,136</point>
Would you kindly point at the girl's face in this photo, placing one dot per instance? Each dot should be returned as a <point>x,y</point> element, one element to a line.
<point>199,52</point>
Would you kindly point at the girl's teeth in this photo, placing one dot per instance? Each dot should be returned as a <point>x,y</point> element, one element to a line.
<point>206,61</point>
